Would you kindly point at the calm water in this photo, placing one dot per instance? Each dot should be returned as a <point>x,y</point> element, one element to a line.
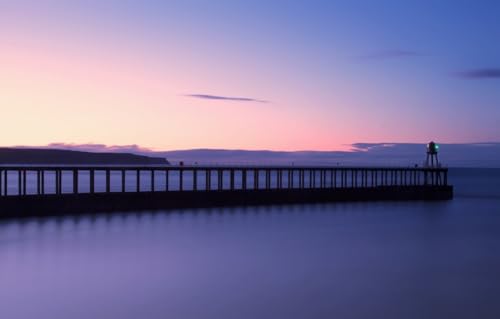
<point>363,260</point>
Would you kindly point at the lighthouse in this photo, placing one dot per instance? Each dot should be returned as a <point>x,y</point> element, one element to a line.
<point>432,155</point>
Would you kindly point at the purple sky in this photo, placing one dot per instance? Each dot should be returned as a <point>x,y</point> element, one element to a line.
<point>294,75</point>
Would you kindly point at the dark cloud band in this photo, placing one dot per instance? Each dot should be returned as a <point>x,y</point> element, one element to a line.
<point>224,98</point>
<point>487,73</point>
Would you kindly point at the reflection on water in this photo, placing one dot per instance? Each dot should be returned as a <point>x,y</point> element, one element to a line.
<point>377,260</point>
<point>359,260</point>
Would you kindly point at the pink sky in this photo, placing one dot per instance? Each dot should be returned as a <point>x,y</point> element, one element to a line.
<point>86,77</point>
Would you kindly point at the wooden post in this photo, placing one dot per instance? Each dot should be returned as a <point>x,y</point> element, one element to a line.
<point>92,181</point>
<point>75,181</point>
<point>38,182</point>
<point>207,179</point>
<point>19,181</point>
<point>267,178</point>
<point>56,181</point>
<point>195,179</point>
<point>166,179</point>
<point>181,177</point>
<point>152,180</point>
<point>279,177</point>
<point>24,182</point>
<point>60,181</point>
<point>256,178</point>
<point>231,179</point>
<point>219,179</point>
<point>42,183</point>
<point>244,179</point>
<point>138,180</point>
<point>6,174</point>
<point>108,180</point>
<point>123,181</point>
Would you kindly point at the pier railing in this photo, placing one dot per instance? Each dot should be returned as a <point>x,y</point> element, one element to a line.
<point>50,180</point>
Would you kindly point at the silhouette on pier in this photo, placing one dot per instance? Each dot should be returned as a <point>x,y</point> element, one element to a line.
<point>42,190</point>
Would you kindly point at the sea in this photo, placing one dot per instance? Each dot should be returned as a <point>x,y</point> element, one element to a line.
<point>340,260</point>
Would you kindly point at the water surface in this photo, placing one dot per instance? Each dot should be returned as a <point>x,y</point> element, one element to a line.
<point>348,260</point>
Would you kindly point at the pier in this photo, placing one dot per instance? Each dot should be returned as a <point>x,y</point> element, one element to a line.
<point>51,190</point>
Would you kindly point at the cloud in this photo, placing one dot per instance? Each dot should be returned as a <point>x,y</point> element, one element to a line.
<point>225,98</point>
<point>486,73</point>
<point>391,54</point>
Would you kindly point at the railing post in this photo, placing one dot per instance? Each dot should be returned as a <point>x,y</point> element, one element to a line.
<point>268,176</point>
<point>75,181</point>
<point>219,179</point>
<point>279,176</point>
<point>231,179</point>
<point>108,180</point>
<point>244,179</point>
<point>181,177</point>
<point>123,180</point>
<point>152,180</point>
<point>138,180</point>
<point>42,183</point>
<point>19,181</point>
<point>207,179</point>
<point>166,179</point>
<point>6,175</point>
<point>290,174</point>
<point>24,181</point>
<point>256,179</point>
<point>56,181</point>
<point>195,179</point>
<point>92,181</point>
<point>301,178</point>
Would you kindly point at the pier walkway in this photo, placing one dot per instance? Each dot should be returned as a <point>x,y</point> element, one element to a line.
<point>42,190</point>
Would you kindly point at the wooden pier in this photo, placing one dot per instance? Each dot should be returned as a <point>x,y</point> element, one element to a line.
<point>51,190</point>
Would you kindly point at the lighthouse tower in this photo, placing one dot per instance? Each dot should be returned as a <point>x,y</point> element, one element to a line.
<point>432,155</point>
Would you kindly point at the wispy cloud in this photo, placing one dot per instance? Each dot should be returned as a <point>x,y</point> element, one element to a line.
<point>391,54</point>
<point>485,73</point>
<point>225,98</point>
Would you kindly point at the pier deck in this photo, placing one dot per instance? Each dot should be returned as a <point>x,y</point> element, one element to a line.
<point>52,190</point>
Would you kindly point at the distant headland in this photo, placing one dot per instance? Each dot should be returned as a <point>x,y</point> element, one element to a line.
<point>32,156</point>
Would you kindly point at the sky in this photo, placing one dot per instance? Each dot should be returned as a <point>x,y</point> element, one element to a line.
<point>234,74</point>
